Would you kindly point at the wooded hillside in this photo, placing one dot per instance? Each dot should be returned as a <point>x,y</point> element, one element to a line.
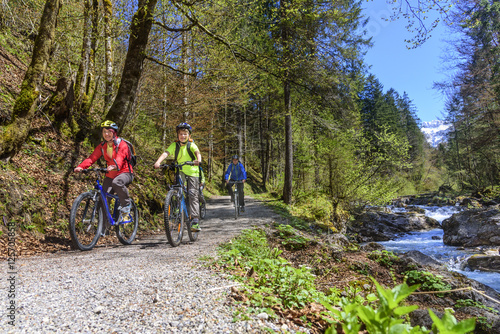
<point>282,84</point>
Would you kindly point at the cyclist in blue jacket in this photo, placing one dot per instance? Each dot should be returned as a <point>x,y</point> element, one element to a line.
<point>236,172</point>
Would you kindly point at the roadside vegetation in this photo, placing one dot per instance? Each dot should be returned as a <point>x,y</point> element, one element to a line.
<point>284,273</point>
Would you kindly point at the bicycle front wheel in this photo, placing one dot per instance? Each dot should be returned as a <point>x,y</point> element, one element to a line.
<point>85,221</point>
<point>173,218</point>
<point>127,229</point>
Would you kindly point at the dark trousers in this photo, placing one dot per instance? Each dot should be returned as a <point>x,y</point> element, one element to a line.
<point>119,186</point>
<point>241,194</point>
<point>193,187</point>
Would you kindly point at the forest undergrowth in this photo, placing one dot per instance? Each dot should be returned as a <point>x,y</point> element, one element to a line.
<point>305,280</point>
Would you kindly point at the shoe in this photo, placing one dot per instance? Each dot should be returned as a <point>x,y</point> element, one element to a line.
<point>242,209</point>
<point>126,209</point>
<point>195,226</point>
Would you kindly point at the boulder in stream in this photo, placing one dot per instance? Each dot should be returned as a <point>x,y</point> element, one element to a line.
<point>471,228</point>
<point>381,226</point>
<point>484,263</point>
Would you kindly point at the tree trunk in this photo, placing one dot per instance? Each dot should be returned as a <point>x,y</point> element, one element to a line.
<point>211,148</point>
<point>108,58</point>
<point>262,144</point>
<point>185,80</point>
<point>225,125</point>
<point>83,69</point>
<point>286,61</point>
<point>134,63</point>
<point>14,134</point>
<point>269,141</point>
<point>287,189</point>
<point>240,134</point>
<point>244,135</point>
<point>93,50</point>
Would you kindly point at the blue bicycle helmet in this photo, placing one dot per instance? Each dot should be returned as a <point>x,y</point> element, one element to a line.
<point>184,126</point>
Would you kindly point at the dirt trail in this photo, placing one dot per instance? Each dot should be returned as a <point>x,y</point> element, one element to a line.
<point>219,224</point>
<point>146,287</point>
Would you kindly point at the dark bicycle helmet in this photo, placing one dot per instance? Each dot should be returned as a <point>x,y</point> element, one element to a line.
<point>235,157</point>
<point>185,126</point>
<point>109,125</point>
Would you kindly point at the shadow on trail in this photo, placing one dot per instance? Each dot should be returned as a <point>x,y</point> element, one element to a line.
<point>219,223</point>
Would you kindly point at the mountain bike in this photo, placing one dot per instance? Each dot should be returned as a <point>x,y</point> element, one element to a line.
<point>91,208</point>
<point>175,210</point>
<point>236,198</point>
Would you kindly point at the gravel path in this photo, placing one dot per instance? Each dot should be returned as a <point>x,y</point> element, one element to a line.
<point>148,287</point>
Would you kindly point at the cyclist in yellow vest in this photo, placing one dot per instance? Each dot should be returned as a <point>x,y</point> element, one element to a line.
<point>189,174</point>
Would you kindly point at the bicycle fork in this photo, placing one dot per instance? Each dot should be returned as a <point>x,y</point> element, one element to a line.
<point>184,206</point>
<point>89,221</point>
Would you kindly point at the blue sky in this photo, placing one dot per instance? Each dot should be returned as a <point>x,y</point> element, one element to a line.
<point>406,70</point>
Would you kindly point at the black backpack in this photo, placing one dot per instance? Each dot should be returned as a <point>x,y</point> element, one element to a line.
<point>131,157</point>
<point>178,147</point>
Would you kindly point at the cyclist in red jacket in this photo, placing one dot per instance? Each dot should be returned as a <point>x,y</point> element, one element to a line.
<point>120,173</point>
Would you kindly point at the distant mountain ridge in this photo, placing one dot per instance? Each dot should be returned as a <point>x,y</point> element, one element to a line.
<point>435,131</point>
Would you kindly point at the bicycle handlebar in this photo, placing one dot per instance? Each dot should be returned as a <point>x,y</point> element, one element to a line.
<point>174,165</point>
<point>88,170</point>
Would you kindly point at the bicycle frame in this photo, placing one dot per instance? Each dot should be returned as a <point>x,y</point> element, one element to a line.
<point>103,197</point>
<point>235,191</point>
<point>181,189</point>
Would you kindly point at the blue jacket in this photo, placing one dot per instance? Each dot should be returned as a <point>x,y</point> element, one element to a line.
<point>237,172</point>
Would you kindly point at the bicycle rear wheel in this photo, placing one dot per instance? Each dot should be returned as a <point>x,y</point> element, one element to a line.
<point>173,218</point>
<point>126,231</point>
<point>236,205</point>
<point>203,207</point>
<point>85,221</point>
<point>193,236</point>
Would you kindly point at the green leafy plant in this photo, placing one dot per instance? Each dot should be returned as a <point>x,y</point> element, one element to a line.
<point>427,280</point>
<point>384,257</point>
<point>273,281</point>
<point>472,303</point>
<point>290,238</point>
<point>361,268</point>
<point>387,316</point>
<point>483,323</point>
<point>449,325</point>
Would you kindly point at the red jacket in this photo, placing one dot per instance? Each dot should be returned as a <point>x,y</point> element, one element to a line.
<point>119,159</point>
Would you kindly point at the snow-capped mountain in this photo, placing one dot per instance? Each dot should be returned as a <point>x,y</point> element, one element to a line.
<point>435,131</point>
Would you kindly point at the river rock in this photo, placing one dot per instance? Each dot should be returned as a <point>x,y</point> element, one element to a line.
<point>471,228</point>
<point>422,318</point>
<point>370,247</point>
<point>421,259</point>
<point>484,263</point>
<point>380,226</point>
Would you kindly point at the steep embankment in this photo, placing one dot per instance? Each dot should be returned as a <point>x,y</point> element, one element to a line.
<point>38,186</point>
